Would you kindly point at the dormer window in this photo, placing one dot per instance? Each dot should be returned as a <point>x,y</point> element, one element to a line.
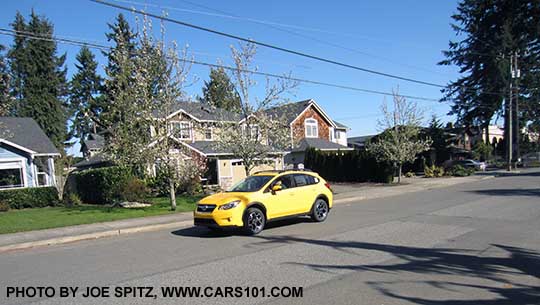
<point>208,134</point>
<point>312,128</point>
<point>181,130</point>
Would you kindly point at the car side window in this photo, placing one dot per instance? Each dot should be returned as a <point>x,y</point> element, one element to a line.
<point>287,182</point>
<point>302,180</point>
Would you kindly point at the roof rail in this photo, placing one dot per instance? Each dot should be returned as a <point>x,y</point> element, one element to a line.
<point>279,171</point>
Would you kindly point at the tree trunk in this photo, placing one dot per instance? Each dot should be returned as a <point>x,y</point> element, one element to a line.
<point>172,195</point>
<point>399,173</point>
<point>487,133</point>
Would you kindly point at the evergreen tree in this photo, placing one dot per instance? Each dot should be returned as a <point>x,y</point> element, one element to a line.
<point>17,57</point>
<point>39,78</point>
<point>5,98</point>
<point>120,71</point>
<point>220,92</point>
<point>490,31</point>
<point>85,89</point>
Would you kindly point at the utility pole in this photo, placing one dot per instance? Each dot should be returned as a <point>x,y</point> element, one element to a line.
<point>509,118</point>
<point>513,133</point>
<point>516,74</point>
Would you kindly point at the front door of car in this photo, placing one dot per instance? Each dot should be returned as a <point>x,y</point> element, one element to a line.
<point>281,202</point>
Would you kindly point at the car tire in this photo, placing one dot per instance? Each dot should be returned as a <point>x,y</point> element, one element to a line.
<point>254,221</point>
<point>320,210</point>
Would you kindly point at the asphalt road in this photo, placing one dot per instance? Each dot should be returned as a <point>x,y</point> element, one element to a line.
<point>476,243</point>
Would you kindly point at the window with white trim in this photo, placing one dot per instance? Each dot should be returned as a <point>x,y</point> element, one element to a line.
<point>208,133</point>
<point>42,170</point>
<point>11,174</point>
<point>337,134</point>
<point>181,130</point>
<point>312,128</point>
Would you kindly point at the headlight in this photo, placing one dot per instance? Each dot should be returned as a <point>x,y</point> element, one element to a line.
<point>229,205</point>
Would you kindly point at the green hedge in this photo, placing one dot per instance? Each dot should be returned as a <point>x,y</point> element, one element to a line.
<point>102,185</point>
<point>348,166</point>
<point>34,197</point>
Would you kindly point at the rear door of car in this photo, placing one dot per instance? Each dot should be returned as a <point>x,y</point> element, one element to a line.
<point>306,193</point>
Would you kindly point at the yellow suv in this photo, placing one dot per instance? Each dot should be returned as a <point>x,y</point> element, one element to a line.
<point>266,196</point>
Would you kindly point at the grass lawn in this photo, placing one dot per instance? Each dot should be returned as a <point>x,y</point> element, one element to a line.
<point>53,217</point>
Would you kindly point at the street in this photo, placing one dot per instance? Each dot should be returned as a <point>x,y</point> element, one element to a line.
<point>476,243</point>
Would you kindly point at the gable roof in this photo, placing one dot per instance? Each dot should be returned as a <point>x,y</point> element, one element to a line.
<point>291,111</point>
<point>94,142</point>
<point>202,112</point>
<point>26,133</point>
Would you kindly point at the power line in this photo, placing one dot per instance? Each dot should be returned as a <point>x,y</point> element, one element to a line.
<point>267,45</point>
<point>14,33</point>
<point>278,26</point>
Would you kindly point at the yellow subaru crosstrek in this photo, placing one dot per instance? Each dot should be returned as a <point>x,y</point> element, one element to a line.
<point>266,196</point>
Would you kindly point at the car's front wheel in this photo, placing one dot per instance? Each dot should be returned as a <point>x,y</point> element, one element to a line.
<point>254,221</point>
<point>319,211</point>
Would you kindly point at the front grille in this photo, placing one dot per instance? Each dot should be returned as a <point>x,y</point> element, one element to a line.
<point>205,208</point>
<point>204,222</point>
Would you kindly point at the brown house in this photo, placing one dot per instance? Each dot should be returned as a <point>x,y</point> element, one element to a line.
<point>311,127</point>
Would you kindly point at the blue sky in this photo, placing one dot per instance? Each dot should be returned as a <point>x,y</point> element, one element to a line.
<point>397,37</point>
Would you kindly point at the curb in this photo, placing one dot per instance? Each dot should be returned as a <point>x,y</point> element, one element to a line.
<point>431,187</point>
<point>109,233</point>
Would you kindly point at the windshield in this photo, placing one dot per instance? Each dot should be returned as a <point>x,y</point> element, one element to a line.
<point>250,184</point>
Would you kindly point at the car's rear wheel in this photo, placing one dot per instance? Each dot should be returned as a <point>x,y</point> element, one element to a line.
<point>319,211</point>
<point>254,221</point>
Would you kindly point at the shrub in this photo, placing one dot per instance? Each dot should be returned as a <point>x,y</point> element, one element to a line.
<point>134,190</point>
<point>159,184</point>
<point>102,185</point>
<point>4,207</point>
<point>410,174</point>
<point>460,171</point>
<point>72,199</point>
<point>433,171</point>
<point>348,166</point>
<point>34,197</point>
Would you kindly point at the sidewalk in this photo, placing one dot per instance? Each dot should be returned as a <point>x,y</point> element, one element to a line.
<point>352,192</point>
<point>344,193</point>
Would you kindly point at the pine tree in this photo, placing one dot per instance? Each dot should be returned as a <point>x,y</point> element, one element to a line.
<point>5,98</point>
<point>85,93</point>
<point>490,31</point>
<point>39,78</point>
<point>220,92</point>
<point>17,57</point>
<point>120,71</point>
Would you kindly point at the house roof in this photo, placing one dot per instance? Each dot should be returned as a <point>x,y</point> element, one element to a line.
<point>318,143</point>
<point>203,112</point>
<point>26,133</point>
<point>291,111</point>
<point>360,140</point>
<point>94,142</point>
<point>339,125</point>
<point>210,148</point>
<point>94,161</point>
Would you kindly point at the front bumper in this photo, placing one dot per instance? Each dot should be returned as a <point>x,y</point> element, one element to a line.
<point>219,218</point>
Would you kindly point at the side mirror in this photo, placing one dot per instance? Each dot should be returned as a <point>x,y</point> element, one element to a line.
<point>276,187</point>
